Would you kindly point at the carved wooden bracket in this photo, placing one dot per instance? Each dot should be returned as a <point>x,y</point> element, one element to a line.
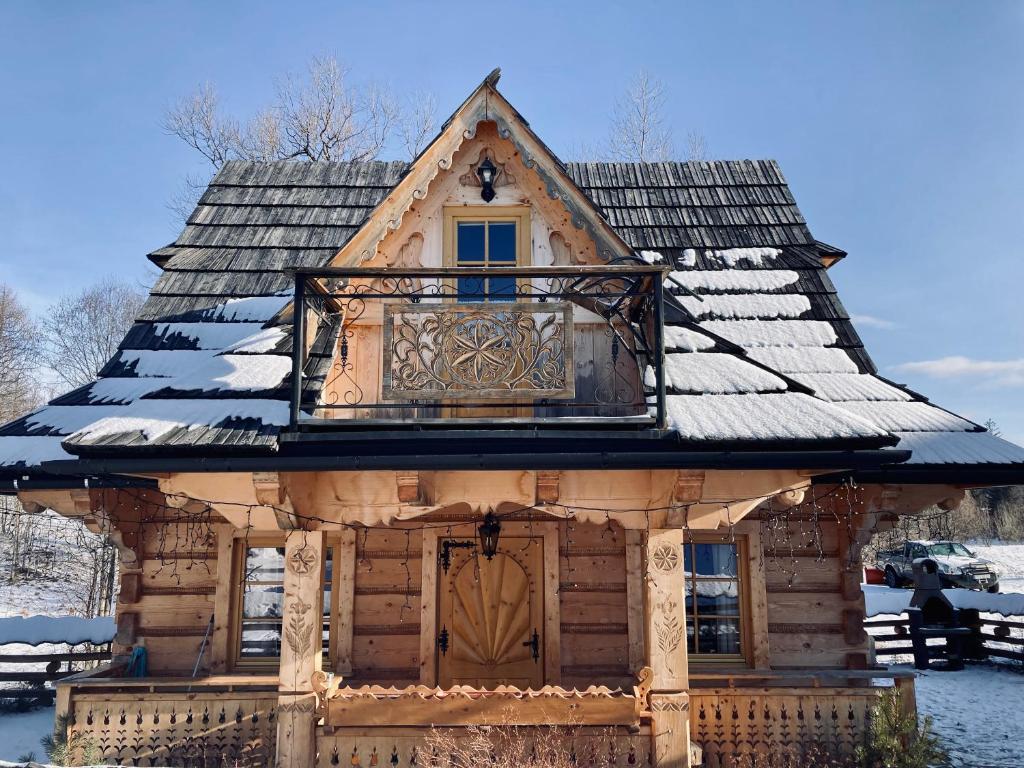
<point>501,176</point>
<point>642,689</point>
<point>794,497</point>
<point>270,493</point>
<point>409,491</point>
<point>689,486</point>
<point>548,486</point>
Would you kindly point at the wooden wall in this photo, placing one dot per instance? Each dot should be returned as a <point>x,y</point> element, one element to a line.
<point>386,631</point>
<point>593,601</point>
<point>815,605</point>
<point>166,603</point>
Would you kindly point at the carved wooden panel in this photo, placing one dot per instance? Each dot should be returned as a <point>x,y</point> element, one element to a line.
<point>176,729</point>
<point>364,748</point>
<point>733,727</point>
<point>478,351</point>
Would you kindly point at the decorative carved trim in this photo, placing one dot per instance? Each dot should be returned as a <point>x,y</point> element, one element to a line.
<point>594,629</point>
<point>302,561</point>
<point>501,176</point>
<point>408,487</point>
<point>689,485</point>
<point>548,486</point>
<point>593,587</point>
<point>659,704</point>
<point>666,558</point>
<point>298,631</point>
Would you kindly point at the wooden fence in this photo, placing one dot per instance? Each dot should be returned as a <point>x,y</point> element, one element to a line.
<point>1001,639</point>
<point>46,668</point>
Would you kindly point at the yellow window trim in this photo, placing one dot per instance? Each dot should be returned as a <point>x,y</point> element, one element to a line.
<point>742,544</point>
<point>520,214</point>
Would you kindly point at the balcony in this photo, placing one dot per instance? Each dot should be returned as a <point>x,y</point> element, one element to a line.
<point>503,346</point>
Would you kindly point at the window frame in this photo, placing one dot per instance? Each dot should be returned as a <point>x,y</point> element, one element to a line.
<point>332,542</point>
<point>455,214</point>
<point>743,579</point>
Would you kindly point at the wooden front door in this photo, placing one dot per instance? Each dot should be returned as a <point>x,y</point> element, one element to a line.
<point>491,613</point>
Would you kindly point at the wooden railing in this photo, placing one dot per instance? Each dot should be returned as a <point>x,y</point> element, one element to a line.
<point>213,721</point>
<point>999,638</point>
<point>46,668</point>
<point>810,715</point>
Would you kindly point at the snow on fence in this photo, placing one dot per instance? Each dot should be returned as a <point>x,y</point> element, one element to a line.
<point>34,670</point>
<point>1003,638</point>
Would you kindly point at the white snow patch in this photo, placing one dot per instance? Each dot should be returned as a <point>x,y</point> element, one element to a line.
<point>651,257</point>
<point>909,417</point>
<point>33,630</point>
<point>164,363</point>
<point>263,341</point>
<point>959,448</point>
<point>879,599</point>
<point>689,258</point>
<point>154,418</point>
<point>804,359</point>
<point>256,309</point>
<point>754,256</point>
<point>843,387</point>
<point>788,416</point>
<point>122,390</point>
<point>761,280</point>
<point>235,373</point>
<point>66,419</point>
<point>210,335</point>
<point>686,339</point>
<point>31,450</point>
<point>749,306</point>
<point>21,732</point>
<point>774,333</point>
<point>717,374</point>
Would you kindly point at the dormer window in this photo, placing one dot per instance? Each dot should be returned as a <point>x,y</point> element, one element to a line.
<point>486,237</point>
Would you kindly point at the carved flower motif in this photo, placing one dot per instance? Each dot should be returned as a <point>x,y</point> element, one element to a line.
<point>665,558</point>
<point>302,560</point>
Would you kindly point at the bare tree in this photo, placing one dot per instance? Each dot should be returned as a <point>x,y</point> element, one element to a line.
<point>81,332</point>
<point>19,348</point>
<point>419,123</point>
<point>696,146</point>
<point>638,131</point>
<point>319,116</point>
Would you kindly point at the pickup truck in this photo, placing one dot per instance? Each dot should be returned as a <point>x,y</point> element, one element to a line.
<point>958,566</point>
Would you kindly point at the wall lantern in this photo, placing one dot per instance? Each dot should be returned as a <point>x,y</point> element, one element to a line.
<point>489,530</point>
<point>487,172</point>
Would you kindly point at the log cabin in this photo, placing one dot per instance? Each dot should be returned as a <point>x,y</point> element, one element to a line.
<point>490,439</point>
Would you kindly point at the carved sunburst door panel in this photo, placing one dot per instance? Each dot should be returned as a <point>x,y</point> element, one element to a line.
<point>491,610</point>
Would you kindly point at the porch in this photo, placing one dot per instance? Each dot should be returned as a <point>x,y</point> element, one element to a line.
<point>204,721</point>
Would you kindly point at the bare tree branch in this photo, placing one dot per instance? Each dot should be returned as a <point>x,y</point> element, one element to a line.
<point>196,121</point>
<point>82,331</point>
<point>19,349</point>
<point>418,124</point>
<point>696,146</point>
<point>638,131</point>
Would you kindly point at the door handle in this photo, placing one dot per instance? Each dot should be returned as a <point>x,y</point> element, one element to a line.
<point>534,645</point>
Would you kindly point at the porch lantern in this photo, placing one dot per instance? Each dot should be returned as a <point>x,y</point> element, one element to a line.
<point>489,531</point>
<point>486,171</point>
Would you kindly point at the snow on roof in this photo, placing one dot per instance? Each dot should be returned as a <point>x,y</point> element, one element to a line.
<point>745,306</point>
<point>792,416</point>
<point>851,387</point>
<point>210,335</point>
<point>728,280</point>
<point>686,339</point>
<point>959,448</point>
<point>235,373</point>
<point>717,373</point>
<point>774,333</point>
<point>30,450</point>
<point>72,630</point>
<point>152,419</point>
<point>804,359</point>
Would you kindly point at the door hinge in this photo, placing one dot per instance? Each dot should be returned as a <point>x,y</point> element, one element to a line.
<point>534,645</point>
<point>442,641</point>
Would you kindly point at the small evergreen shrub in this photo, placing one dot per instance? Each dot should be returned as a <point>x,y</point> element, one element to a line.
<point>78,749</point>
<point>895,740</point>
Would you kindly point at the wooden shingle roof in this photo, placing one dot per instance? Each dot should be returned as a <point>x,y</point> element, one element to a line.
<point>205,368</point>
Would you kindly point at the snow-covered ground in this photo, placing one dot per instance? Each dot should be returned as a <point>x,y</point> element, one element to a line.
<point>20,734</point>
<point>978,713</point>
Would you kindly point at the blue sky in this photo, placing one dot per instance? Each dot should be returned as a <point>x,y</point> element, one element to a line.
<point>900,127</point>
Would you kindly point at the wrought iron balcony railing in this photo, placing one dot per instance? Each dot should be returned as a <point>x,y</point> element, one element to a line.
<point>509,345</point>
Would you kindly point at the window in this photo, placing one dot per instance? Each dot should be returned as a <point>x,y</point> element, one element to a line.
<point>714,597</point>
<point>486,237</point>
<point>260,603</point>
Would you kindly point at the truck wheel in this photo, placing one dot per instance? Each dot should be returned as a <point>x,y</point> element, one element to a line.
<point>994,589</point>
<point>892,580</point>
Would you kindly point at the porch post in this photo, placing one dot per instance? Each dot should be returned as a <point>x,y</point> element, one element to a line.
<point>665,647</point>
<point>300,648</point>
